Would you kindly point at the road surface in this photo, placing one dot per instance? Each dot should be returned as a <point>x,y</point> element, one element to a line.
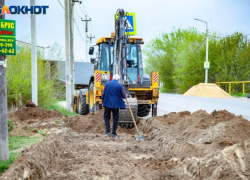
<point>176,103</point>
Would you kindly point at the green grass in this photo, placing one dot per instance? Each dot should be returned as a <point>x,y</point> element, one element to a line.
<point>15,144</point>
<point>64,111</point>
<point>43,132</point>
<point>239,95</point>
<point>58,121</point>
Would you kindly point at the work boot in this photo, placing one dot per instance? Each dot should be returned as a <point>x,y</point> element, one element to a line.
<point>114,136</point>
<point>108,134</point>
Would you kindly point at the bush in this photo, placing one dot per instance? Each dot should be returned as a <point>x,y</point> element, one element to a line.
<point>19,80</point>
<point>10,125</point>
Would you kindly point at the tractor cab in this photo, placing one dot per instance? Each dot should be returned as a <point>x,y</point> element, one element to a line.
<point>133,58</point>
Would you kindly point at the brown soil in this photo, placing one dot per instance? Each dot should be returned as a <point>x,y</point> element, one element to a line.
<point>207,90</point>
<point>31,111</point>
<point>178,146</point>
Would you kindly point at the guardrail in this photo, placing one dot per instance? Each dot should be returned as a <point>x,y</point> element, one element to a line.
<point>236,82</point>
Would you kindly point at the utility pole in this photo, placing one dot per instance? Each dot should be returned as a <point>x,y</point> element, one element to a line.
<point>206,68</point>
<point>4,145</point>
<point>67,58</point>
<point>90,39</point>
<point>69,46</point>
<point>206,64</point>
<point>34,56</point>
<point>71,11</point>
<point>86,36</point>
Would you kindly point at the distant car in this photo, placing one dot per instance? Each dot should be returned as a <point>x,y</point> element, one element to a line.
<point>248,96</point>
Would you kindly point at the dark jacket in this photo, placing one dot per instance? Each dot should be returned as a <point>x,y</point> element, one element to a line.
<point>113,94</point>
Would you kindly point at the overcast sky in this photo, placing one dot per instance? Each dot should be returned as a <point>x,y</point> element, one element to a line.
<point>152,18</point>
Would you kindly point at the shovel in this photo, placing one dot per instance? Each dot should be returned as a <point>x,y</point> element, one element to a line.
<point>140,136</point>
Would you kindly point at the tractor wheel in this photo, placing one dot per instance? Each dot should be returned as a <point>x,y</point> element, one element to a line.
<point>143,110</point>
<point>92,106</point>
<point>82,107</point>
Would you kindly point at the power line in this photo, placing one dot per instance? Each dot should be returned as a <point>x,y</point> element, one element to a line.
<point>82,10</point>
<point>77,13</point>
<point>200,45</point>
<point>92,27</point>
<point>61,4</point>
<point>78,29</point>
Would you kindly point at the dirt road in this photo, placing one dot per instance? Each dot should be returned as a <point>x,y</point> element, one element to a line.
<point>178,146</point>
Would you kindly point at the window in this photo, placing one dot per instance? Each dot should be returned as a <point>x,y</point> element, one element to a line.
<point>103,62</point>
<point>132,69</point>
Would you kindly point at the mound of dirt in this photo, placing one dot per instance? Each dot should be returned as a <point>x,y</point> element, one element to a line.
<point>92,123</point>
<point>207,90</point>
<point>178,146</point>
<point>31,111</point>
<point>200,143</point>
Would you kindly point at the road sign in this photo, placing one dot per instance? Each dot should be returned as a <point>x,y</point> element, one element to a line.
<point>7,37</point>
<point>130,17</point>
<point>206,65</point>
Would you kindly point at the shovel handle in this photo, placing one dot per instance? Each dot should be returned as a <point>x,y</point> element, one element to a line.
<point>132,115</point>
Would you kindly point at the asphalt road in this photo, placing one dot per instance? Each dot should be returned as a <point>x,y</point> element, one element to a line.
<point>176,103</point>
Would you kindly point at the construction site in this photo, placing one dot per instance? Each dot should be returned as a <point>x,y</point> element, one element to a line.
<point>171,109</point>
<point>180,145</point>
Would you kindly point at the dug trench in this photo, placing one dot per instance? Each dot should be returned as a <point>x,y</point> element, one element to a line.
<point>177,146</point>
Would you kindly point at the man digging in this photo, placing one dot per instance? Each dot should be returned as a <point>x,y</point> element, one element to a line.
<point>112,98</point>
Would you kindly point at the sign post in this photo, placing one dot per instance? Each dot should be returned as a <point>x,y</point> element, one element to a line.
<point>7,47</point>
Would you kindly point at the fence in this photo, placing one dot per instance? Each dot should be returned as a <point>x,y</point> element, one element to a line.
<point>236,82</point>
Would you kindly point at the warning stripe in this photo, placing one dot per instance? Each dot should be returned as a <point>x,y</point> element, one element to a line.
<point>98,77</point>
<point>155,78</point>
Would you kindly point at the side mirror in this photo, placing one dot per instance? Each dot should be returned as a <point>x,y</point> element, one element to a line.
<point>91,50</point>
<point>92,60</point>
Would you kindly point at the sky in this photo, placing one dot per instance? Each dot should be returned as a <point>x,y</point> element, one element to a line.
<point>153,17</point>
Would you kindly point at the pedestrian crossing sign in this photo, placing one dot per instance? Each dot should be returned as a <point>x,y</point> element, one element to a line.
<point>130,28</point>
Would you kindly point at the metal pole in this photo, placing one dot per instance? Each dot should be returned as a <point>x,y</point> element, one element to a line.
<point>207,34</point>
<point>206,70</point>
<point>71,6</point>
<point>67,58</point>
<point>90,39</point>
<point>4,145</point>
<point>34,56</point>
<point>86,36</point>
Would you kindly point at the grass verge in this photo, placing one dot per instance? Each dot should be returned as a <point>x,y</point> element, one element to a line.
<point>15,146</point>
<point>239,95</point>
<point>64,111</point>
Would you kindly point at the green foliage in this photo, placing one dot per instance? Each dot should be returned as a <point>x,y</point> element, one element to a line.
<point>62,110</point>
<point>240,95</point>
<point>4,165</point>
<point>19,80</point>
<point>43,132</point>
<point>16,143</point>
<point>179,57</point>
<point>10,125</point>
<point>22,141</point>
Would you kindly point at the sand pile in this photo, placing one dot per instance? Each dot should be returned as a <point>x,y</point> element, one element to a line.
<point>207,90</point>
<point>178,146</point>
<point>31,111</point>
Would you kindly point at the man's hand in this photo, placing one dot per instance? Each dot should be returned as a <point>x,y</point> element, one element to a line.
<point>127,95</point>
